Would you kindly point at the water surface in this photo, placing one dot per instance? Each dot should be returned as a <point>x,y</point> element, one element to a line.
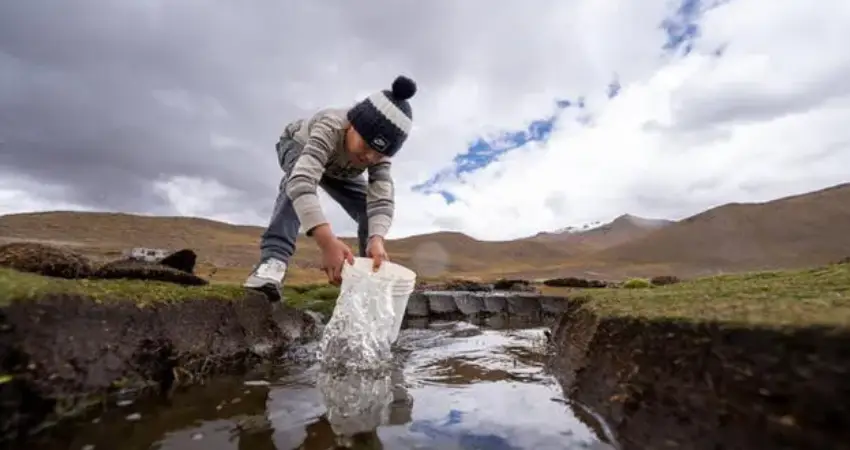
<point>455,386</point>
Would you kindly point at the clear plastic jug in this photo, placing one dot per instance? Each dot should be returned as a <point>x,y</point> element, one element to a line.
<point>367,317</point>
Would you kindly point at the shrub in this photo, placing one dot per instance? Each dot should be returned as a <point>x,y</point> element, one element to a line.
<point>663,280</point>
<point>504,284</point>
<point>573,282</point>
<point>637,283</point>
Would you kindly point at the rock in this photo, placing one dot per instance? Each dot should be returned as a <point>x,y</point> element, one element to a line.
<point>662,280</point>
<point>457,285</point>
<point>182,260</point>
<point>417,305</point>
<point>442,302</point>
<point>574,282</point>
<point>514,285</point>
<point>148,271</point>
<point>44,260</point>
<point>470,304</point>
<point>495,303</point>
<point>524,305</point>
<point>504,284</point>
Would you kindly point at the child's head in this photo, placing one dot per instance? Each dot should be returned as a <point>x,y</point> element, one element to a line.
<point>359,150</point>
<point>381,122</point>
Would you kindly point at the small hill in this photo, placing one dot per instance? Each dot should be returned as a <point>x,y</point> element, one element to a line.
<point>795,231</point>
<point>623,229</point>
<point>107,235</point>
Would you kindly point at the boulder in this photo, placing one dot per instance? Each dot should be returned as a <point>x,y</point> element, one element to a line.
<point>182,260</point>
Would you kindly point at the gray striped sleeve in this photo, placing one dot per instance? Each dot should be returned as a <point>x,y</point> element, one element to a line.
<point>324,137</point>
<point>380,199</point>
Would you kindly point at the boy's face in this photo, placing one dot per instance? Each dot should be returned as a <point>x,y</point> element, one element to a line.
<point>359,151</point>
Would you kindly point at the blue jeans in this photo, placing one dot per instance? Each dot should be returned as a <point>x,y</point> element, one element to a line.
<point>278,241</point>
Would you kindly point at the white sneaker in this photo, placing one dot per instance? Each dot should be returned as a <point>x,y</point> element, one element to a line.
<point>267,278</point>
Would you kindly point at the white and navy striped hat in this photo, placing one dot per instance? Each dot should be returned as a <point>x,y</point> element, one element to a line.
<point>384,119</point>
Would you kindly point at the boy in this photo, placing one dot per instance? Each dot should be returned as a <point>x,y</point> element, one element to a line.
<point>332,149</point>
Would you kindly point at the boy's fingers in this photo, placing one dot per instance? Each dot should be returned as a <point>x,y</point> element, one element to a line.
<point>376,262</point>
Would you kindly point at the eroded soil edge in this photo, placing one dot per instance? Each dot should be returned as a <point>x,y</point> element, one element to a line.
<point>687,385</point>
<point>63,353</point>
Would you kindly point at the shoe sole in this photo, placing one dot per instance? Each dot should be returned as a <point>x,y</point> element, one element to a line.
<point>271,292</point>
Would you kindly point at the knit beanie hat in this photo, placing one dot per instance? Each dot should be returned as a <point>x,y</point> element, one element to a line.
<point>384,119</point>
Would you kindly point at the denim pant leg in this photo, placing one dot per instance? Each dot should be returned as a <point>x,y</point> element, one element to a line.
<point>278,240</point>
<point>351,196</point>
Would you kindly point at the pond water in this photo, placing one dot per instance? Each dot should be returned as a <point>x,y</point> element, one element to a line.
<point>454,386</point>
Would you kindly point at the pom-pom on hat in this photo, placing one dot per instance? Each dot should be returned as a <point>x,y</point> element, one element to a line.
<point>384,119</point>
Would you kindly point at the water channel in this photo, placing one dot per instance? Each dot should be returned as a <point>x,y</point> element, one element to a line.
<point>455,386</point>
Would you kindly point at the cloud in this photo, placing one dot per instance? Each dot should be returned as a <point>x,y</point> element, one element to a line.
<point>526,118</point>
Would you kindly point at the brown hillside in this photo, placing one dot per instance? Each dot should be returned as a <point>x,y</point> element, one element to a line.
<point>789,232</point>
<point>225,245</point>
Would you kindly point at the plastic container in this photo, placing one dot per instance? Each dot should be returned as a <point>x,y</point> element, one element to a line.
<point>367,317</point>
<point>402,279</point>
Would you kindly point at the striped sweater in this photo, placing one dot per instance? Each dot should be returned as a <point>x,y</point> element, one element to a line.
<point>324,154</point>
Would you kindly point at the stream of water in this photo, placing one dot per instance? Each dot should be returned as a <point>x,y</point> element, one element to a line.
<point>455,386</point>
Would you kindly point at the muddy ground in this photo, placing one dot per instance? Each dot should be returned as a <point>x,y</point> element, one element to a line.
<point>679,384</point>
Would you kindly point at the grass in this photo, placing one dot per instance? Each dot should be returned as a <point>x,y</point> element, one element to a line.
<point>20,286</point>
<point>819,296</point>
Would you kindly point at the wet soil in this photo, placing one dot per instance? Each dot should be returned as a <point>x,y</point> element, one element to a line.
<point>62,353</point>
<point>707,385</point>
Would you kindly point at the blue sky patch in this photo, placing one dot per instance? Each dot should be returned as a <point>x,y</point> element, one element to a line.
<point>613,88</point>
<point>682,27</point>
<point>482,152</point>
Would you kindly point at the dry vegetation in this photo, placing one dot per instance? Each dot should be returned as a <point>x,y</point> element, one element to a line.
<point>791,232</point>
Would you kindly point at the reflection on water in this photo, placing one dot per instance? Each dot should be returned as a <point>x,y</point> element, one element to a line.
<point>454,386</point>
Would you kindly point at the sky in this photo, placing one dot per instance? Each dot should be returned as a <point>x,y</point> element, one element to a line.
<point>528,117</point>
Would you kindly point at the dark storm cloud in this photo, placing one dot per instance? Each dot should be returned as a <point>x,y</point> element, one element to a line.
<point>88,92</point>
<point>105,98</point>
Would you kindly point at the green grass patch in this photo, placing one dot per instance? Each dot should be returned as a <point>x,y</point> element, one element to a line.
<point>19,286</point>
<point>819,296</point>
<point>316,297</point>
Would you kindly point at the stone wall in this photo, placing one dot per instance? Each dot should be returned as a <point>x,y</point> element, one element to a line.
<point>460,304</point>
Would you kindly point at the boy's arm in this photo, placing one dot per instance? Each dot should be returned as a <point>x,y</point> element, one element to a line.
<point>307,171</point>
<point>380,199</point>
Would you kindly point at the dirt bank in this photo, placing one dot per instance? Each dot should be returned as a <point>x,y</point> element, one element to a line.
<point>67,344</point>
<point>737,362</point>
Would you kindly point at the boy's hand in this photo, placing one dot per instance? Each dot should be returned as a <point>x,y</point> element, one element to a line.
<point>334,253</point>
<point>375,250</point>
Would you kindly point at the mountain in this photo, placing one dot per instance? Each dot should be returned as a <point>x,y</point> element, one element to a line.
<point>108,235</point>
<point>799,230</point>
<point>789,232</point>
<point>623,229</point>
